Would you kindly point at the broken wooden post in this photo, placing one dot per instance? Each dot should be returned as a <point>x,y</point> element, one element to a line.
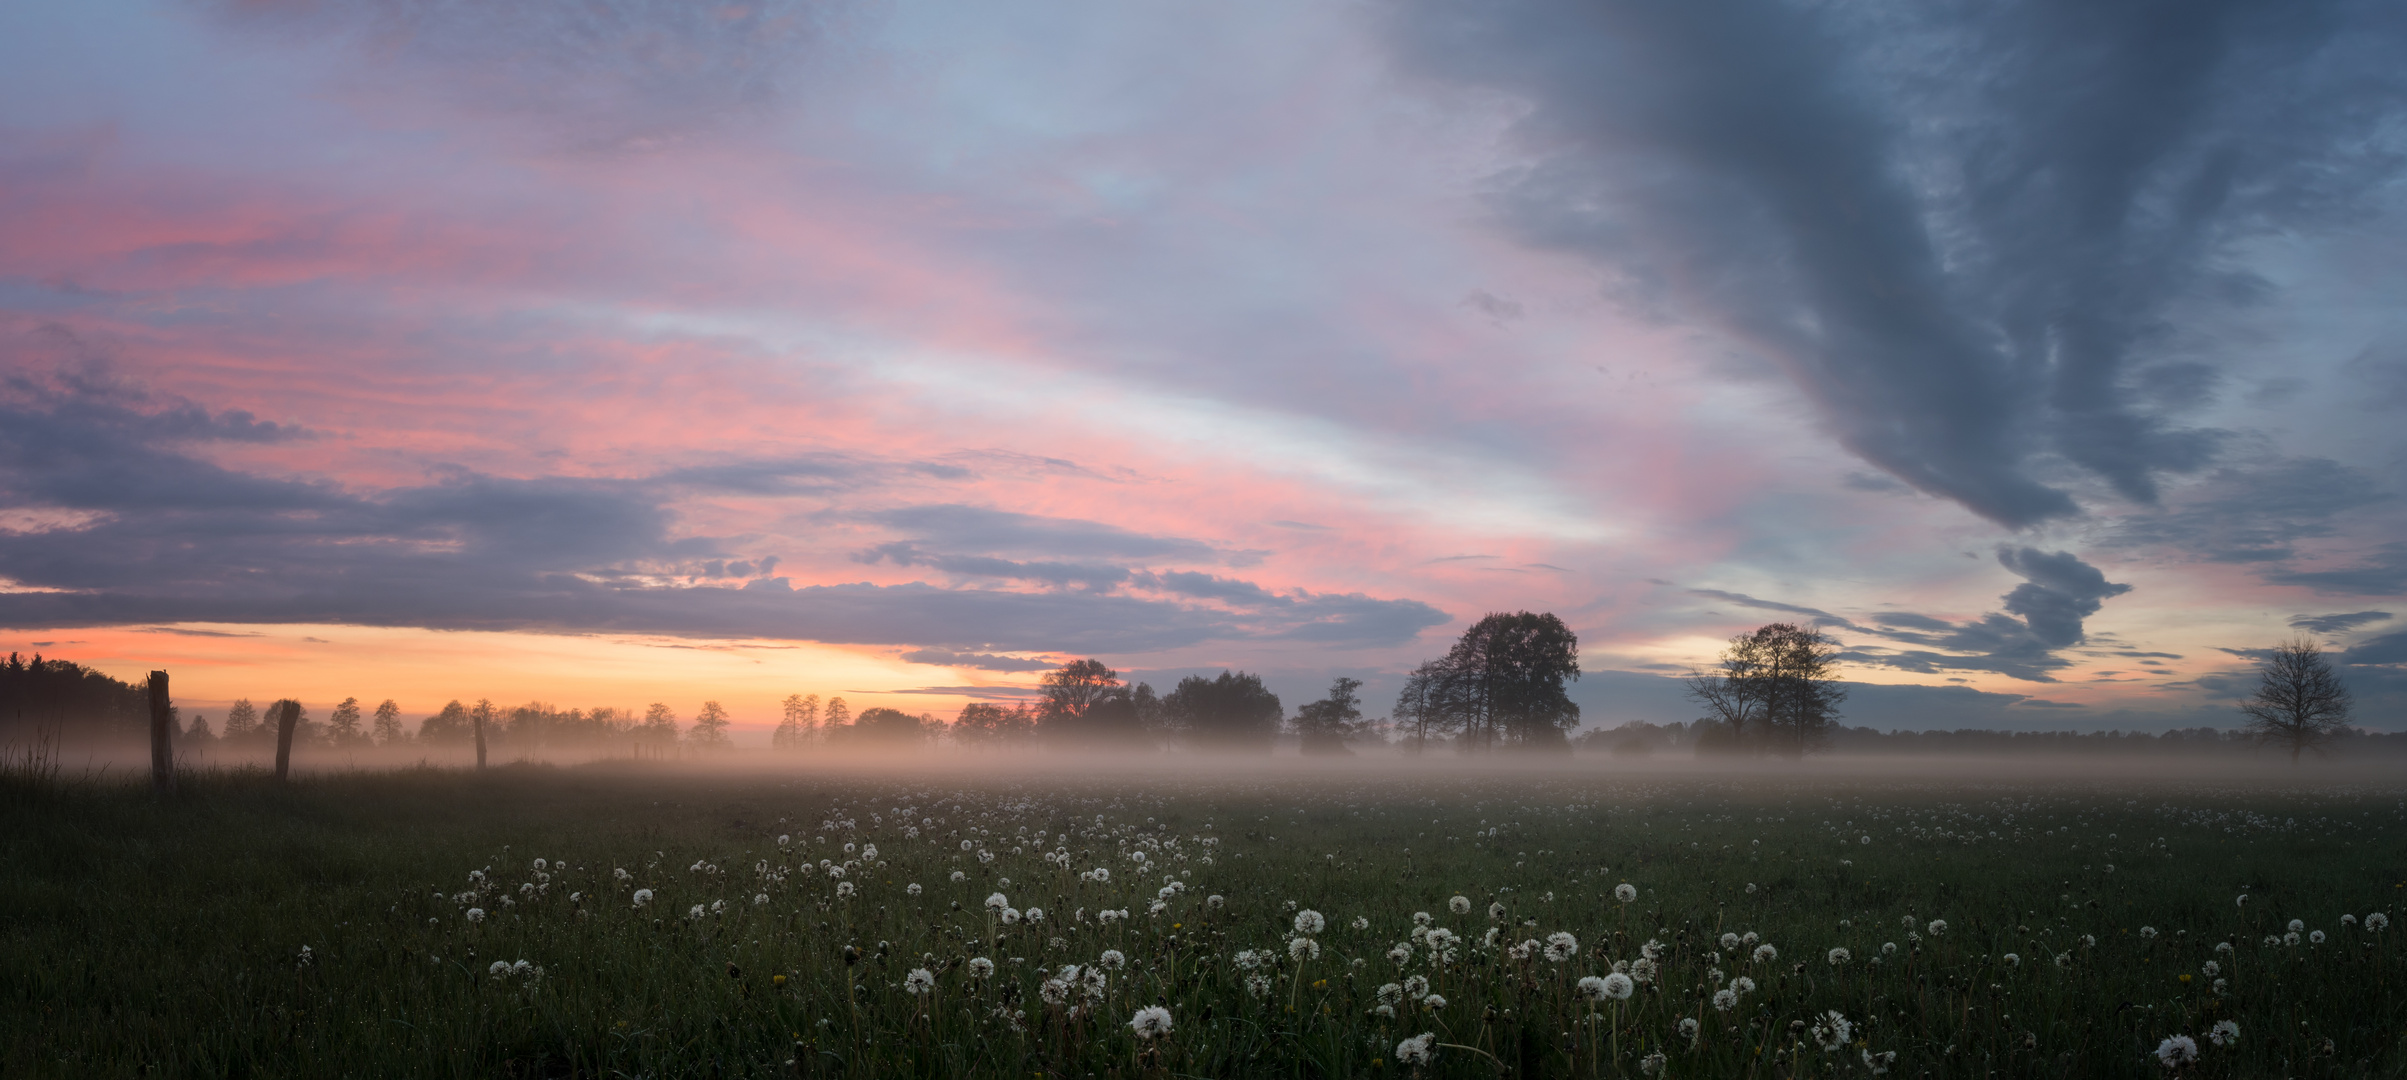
<point>288,716</point>
<point>162,736</point>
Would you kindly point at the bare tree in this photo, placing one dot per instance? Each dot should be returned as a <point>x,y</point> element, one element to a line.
<point>2299,702</point>
<point>801,723</point>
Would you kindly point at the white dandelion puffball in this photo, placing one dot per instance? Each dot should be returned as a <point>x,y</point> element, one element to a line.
<point>1419,1050</point>
<point>1831,1030</point>
<point>476,914</point>
<point>2377,922</point>
<point>1888,948</point>
<point>1688,1027</point>
<point>844,888</point>
<point>2238,901</point>
<point>1652,1064</point>
<point>694,912</point>
<point>1112,960</point>
<point>1010,916</point>
<point>1361,922</point>
<point>1938,927</point>
<point>1103,875</point>
<point>1215,900</point>
<point>2297,925</point>
<point>2177,1051</point>
<point>996,903</point>
<point>1625,892</point>
<point>1391,994</point>
<point>1743,985</point>
<point>918,982</point>
<point>1460,905</point>
<point>498,969</point>
<point>1838,957</point>
<point>1034,914</point>
<point>1401,954</point>
<point>1416,986</point>
<point>1765,954</point>
<point>1619,987</point>
<point>2147,933</point>
<point>1561,946</point>
<point>959,877</point>
<point>2315,937</point>
<point>1434,1002</point>
<point>912,889</point>
<point>2224,1033</point>
<point>1496,911</point>
<point>1304,948</point>
<point>1592,988</point>
<point>1730,941</point>
<point>1725,1000</point>
<point>981,967</point>
<point>2014,960</point>
<point>643,897</point>
<point>1309,921</point>
<point>783,839</point>
<point>1151,1022</point>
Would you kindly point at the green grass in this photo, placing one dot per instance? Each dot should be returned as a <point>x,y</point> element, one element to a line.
<point>163,936</point>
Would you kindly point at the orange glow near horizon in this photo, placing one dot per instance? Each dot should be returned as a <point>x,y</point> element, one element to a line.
<point>212,665</point>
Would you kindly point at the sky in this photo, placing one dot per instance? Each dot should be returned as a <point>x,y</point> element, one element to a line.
<point>2050,355</point>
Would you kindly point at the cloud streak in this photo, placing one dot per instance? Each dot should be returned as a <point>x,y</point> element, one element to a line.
<point>1961,231</point>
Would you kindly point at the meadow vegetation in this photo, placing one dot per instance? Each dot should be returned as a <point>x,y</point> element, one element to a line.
<point>1379,921</point>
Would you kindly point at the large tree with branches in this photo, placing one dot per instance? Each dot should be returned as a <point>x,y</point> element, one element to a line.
<point>2299,702</point>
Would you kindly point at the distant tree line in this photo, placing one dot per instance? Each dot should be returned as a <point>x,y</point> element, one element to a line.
<point>57,697</point>
<point>1640,738</point>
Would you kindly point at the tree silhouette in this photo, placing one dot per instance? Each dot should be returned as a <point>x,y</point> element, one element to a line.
<point>1502,682</point>
<point>710,727</point>
<point>1231,712</point>
<point>659,727</point>
<point>387,729</point>
<point>1775,689</point>
<point>1084,703</point>
<point>984,723</point>
<point>242,720</point>
<point>883,727</point>
<point>448,726</point>
<point>1323,726</point>
<point>343,726</point>
<point>2299,702</point>
<point>800,725</point>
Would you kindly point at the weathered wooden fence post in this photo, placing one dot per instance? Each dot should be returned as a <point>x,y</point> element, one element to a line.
<point>162,736</point>
<point>288,716</point>
<point>479,718</point>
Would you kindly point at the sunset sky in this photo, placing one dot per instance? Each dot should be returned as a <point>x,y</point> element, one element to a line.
<point>2051,355</point>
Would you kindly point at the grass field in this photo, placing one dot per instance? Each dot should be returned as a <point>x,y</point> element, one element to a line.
<point>1291,925</point>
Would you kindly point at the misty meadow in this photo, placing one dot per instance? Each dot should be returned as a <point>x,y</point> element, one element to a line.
<point>1308,539</point>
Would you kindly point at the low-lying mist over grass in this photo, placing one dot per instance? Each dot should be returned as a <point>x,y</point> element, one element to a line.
<point>951,915</point>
